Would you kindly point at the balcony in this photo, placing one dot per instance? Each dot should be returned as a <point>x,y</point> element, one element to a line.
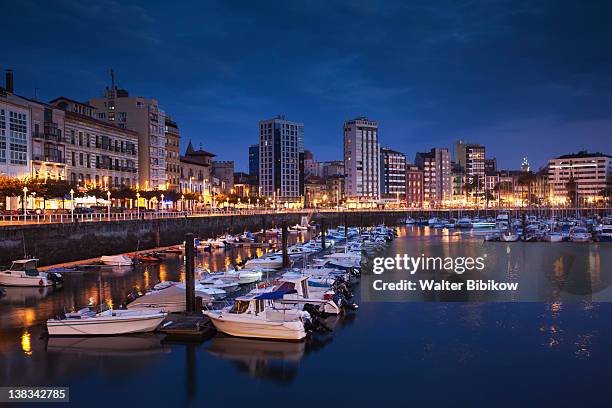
<point>48,158</point>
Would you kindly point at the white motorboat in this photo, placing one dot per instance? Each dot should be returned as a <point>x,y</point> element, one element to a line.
<point>553,237</point>
<point>245,276</point>
<point>257,316</point>
<point>483,224</point>
<point>508,236</point>
<point>579,234</point>
<point>24,272</point>
<point>117,260</point>
<point>227,285</point>
<point>86,322</point>
<point>270,262</point>
<point>166,296</point>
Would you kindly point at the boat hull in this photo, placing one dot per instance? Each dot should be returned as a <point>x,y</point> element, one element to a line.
<point>290,331</point>
<point>104,327</point>
<point>7,280</point>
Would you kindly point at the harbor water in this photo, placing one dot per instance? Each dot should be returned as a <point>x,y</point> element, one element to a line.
<point>428,351</point>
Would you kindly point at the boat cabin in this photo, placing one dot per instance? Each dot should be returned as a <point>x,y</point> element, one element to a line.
<point>29,266</point>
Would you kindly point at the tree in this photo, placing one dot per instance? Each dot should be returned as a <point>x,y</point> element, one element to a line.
<point>527,179</point>
<point>11,187</point>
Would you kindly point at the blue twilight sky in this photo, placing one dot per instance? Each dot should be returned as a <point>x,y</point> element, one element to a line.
<point>522,77</point>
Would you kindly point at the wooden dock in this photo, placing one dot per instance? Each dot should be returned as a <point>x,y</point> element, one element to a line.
<point>187,327</point>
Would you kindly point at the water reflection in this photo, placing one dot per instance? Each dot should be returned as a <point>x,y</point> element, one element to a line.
<point>273,360</point>
<point>121,346</point>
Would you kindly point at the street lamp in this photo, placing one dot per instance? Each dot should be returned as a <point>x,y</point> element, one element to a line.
<point>72,204</point>
<point>162,205</point>
<point>108,194</point>
<point>182,202</point>
<point>138,205</point>
<point>25,206</point>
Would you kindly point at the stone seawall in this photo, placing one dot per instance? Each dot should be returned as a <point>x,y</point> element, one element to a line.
<point>58,243</point>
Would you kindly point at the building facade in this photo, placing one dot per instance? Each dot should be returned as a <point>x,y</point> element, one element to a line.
<point>173,154</point>
<point>15,134</point>
<point>145,117</point>
<point>392,174</point>
<point>591,172</point>
<point>281,158</point>
<point>414,186</point>
<point>311,166</point>
<point>332,168</point>
<point>196,173</point>
<point>97,153</point>
<point>436,167</point>
<point>223,170</point>
<point>471,158</point>
<point>361,160</point>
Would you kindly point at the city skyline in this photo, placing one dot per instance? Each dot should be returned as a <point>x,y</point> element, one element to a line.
<point>443,84</point>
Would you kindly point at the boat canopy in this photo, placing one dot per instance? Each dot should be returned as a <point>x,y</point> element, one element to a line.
<point>279,294</point>
<point>24,264</point>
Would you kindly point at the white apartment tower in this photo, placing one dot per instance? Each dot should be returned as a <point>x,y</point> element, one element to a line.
<point>144,116</point>
<point>281,158</point>
<point>361,159</point>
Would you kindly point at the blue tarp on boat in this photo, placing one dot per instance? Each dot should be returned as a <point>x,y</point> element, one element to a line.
<point>275,295</point>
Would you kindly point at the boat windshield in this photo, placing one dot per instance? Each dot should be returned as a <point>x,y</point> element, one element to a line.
<point>241,306</point>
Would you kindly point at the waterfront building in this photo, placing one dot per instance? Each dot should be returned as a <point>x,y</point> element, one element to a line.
<point>591,173</point>
<point>97,153</point>
<point>361,160</point>
<point>471,158</point>
<point>490,165</point>
<point>491,185</point>
<point>332,168</point>
<point>392,174</point>
<point>223,170</point>
<point>173,153</point>
<point>311,166</point>
<point>414,186</point>
<point>436,167</point>
<point>323,192</point>
<point>15,132</point>
<point>254,160</point>
<point>196,173</point>
<point>242,186</point>
<point>145,117</point>
<point>457,183</point>
<point>281,159</point>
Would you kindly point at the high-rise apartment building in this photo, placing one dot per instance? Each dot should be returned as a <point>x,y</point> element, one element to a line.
<point>173,153</point>
<point>592,173</point>
<point>361,159</point>
<point>392,173</point>
<point>471,158</point>
<point>281,158</point>
<point>254,160</point>
<point>436,167</point>
<point>414,186</point>
<point>145,117</point>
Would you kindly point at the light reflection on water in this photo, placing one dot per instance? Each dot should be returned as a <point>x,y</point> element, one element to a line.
<point>423,346</point>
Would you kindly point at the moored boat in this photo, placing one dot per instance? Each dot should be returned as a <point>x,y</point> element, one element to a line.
<point>117,260</point>
<point>86,322</point>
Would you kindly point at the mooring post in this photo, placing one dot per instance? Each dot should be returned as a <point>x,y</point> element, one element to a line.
<point>284,234</point>
<point>189,273</point>
<point>323,233</point>
<point>263,227</point>
<point>345,227</point>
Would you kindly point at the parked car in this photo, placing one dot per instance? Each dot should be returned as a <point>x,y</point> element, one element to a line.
<point>83,210</point>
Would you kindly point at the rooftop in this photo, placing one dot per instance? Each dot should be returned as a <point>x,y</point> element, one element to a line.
<point>583,154</point>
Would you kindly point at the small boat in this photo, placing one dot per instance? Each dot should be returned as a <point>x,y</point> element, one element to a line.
<point>244,276</point>
<point>271,262</point>
<point>553,237</point>
<point>117,260</point>
<point>24,272</point>
<point>463,223</point>
<point>219,283</point>
<point>508,236</point>
<point>87,322</point>
<point>165,296</point>
<point>257,316</point>
<point>147,258</point>
<point>604,234</point>
<point>579,234</point>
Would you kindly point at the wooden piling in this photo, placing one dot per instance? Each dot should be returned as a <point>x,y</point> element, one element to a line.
<point>284,237</point>
<point>189,273</point>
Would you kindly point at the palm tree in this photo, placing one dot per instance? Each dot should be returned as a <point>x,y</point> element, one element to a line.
<point>527,179</point>
<point>572,188</point>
